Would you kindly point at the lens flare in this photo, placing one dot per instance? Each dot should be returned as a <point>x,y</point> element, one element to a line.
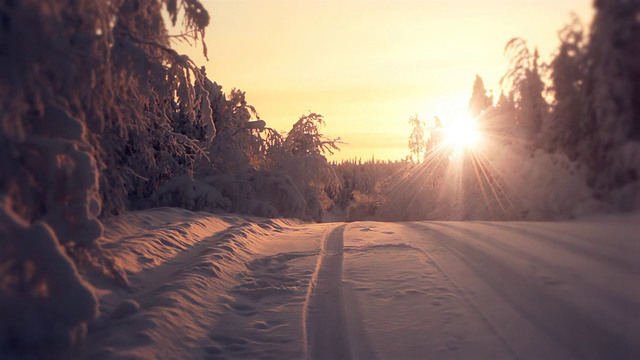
<point>462,133</point>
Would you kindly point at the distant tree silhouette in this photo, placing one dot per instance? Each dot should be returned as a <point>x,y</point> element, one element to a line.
<point>416,139</point>
<point>568,74</point>
<point>436,136</point>
<point>525,84</point>
<point>479,99</point>
<point>504,102</point>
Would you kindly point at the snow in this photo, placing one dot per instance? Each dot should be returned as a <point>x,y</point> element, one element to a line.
<point>100,117</point>
<point>501,179</point>
<point>223,286</point>
<point>44,306</point>
<point>193,274</point>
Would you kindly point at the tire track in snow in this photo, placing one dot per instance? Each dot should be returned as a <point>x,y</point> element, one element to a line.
<point>466,298</point>
<point>324,318</point>
<point>577,331</point>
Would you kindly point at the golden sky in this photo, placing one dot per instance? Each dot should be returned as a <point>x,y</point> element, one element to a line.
<point>367,66</point>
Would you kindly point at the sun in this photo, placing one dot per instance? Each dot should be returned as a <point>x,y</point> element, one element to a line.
<point>462,133</point>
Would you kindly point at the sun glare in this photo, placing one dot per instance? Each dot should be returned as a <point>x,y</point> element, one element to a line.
<point>462,133</point>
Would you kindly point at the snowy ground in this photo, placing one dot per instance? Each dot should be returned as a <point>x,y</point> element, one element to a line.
<point>205,286</point>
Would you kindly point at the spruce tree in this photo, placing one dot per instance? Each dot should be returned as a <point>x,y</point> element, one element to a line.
<point>612,119</point>
<point>479,101</point>
<point>524,82</point>
<point>568,72</point>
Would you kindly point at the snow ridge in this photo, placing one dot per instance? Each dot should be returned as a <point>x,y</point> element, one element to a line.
<point>182,294</point>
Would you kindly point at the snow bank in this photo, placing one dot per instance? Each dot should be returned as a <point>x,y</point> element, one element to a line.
<point>627,198</point>
<point>188,269</point>
<point>44,306</point>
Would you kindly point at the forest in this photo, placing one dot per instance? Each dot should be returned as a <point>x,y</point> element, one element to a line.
<point>561,140</point>
<point>99,116</point>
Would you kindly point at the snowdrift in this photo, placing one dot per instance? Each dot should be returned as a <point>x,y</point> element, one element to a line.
<point>185,270</point>
<point>44,305</point>
<point>211,286</point>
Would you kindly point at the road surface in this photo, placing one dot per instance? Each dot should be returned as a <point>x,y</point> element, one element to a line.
<point>428,290</point>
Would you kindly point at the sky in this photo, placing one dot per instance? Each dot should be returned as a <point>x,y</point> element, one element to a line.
<point>368,66</point>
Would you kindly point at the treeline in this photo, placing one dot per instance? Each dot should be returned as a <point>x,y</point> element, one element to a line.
<point>363,184</point>
<point>583,105</point>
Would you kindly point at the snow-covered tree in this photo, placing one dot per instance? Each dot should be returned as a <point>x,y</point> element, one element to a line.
<point>238,145</point>
<point>92,100</point>
<point>568,73</point>
<point>612,122</point>
<point>305,138</point>
<point>416,139</point>
<point>524,82</point>
<point>436,137</point>
<point>480,100</point>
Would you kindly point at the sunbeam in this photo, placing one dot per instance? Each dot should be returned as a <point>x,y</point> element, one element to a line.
<point>462,133</point>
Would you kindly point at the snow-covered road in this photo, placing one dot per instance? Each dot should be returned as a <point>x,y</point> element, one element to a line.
<point>212,287</point>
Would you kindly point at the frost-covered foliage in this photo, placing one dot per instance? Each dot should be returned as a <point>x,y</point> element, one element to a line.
<point>479,100</point>
<point>313,175</point>
<point>102,75</point>
<point>237,145</point>
<point>505,182</point>
<point>612,124</point>
<point>247,160</point>
<point>162,107</point>
<point>562,132</point>
<point>249,153</point>
<point>240,193</point>
<point>363,206</point>
<point>96,112</point>
<point>279,191</point>
<point>594,95</point>
<point>258,192</point>
<point>417,138</point>
<point>363,185</point>
<point>526,87</point>
<point>305,138</point>
<point>190,194</point>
